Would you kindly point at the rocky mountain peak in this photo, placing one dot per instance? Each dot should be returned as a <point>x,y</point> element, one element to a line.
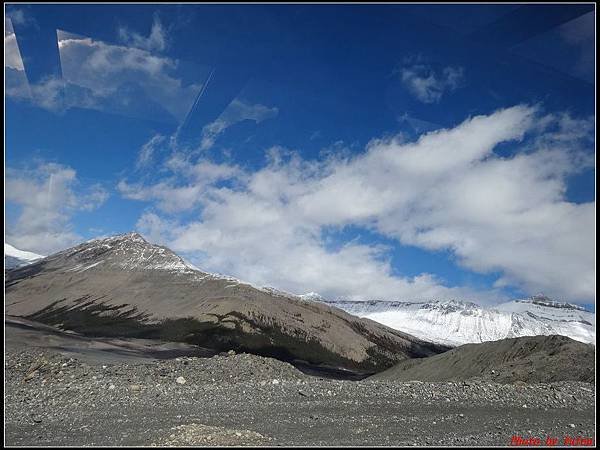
<point>132,236</point>
<point>543,300</point>
<point>129,251</point>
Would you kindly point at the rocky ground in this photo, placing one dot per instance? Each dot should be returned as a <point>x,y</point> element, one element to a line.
<point>239,399</point>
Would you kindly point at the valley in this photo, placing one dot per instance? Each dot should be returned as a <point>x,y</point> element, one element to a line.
<point>121,342</point>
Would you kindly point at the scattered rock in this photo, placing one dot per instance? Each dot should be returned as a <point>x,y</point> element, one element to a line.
<point>30,375</point>
<point>198,434</point>
<point>238,392</point>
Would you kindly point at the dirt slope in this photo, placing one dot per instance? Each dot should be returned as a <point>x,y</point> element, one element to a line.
<point>535,359</point>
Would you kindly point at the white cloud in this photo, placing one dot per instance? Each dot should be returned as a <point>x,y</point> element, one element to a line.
<point>47,197</point>
<point>112,71</point>
<point>427,83</point>
<point>170,194</point>
<point>12,55</point>
<point>149,149</point>
<point>236,112</point>
<point>446,191</point>
<point>156,41</point>
<point>15,83</point>
<point>18,16</point>
<point>114,78</point>
<point>49,94</point>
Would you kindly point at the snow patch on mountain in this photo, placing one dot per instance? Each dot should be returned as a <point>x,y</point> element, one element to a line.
<point>457,323</point>
<point>312,296</point>
<point>13,257</point>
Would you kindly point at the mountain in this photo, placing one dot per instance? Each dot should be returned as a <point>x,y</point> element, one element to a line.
<point>312,296</point>
<point>456,323</point>
<point>13,257</point>
<point>124,286</point>
<point>531,359</point>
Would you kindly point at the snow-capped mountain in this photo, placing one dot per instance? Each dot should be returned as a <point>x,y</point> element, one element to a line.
<point>456,323</point>
<point>13,257</point>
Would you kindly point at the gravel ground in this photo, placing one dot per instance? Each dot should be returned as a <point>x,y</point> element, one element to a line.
<point>51,399</point>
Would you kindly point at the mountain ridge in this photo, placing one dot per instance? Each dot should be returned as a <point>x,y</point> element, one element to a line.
<point>125,286</point>
<point>457,322</point>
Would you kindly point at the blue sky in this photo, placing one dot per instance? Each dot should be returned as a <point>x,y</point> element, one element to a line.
<point>385,151</point>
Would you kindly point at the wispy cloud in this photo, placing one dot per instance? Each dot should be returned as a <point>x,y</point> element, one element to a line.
<point>236,112</point>
<point>149,150</point>
<point>47,196</point>
<point>427,83</point>
<point>184,188</point>
<point>21,17</point>
<point>157,40</point>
